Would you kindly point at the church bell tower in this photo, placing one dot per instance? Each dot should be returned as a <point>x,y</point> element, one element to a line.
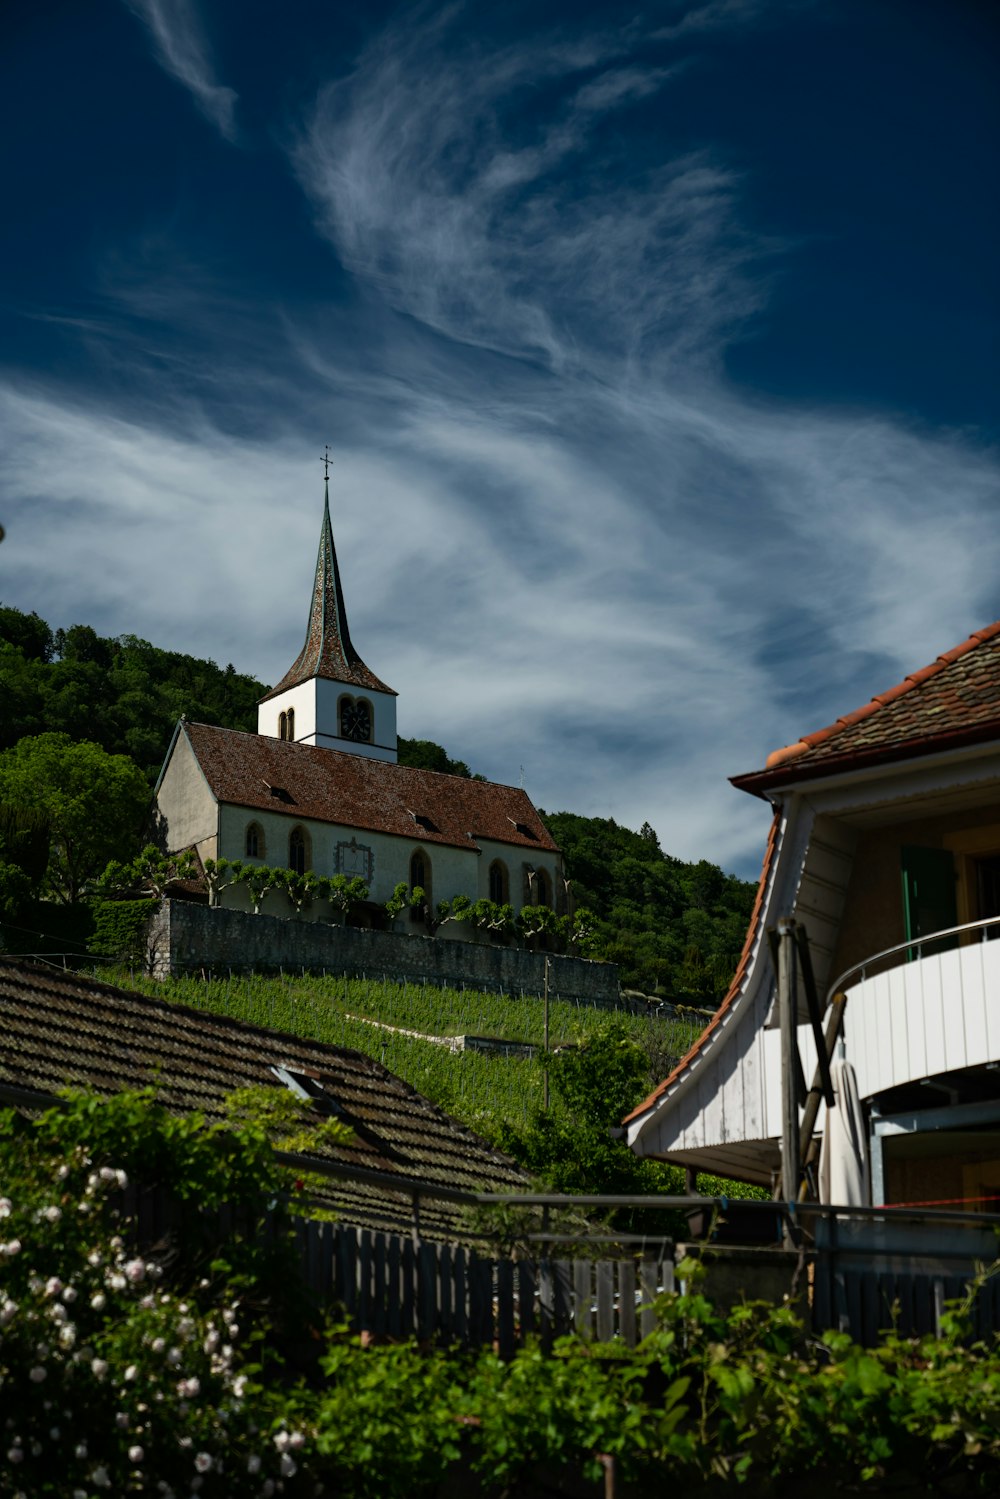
<point>329,697</point>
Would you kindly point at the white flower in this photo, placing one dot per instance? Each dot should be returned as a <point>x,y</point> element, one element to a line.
<point>147,1303</point>
<point>101,1477</point>
<point>79,1494</point>
<point>12,1247</point>
<point>62,1173</point>
<point>70,1293</point>
<point>6,1207</point>
<point>37,1374</point>
<point>253,1463</point>
<point>239,1386</point>
<point>136,1454</point>
<point>121,1179</point>
<point>106,1174</point>
<point>288,1465</point>
<point>116,1241</point>
<point>67,1335</point>
<point>211,1341</point>
<point>15,1455</point>
<point>80,1450</point>
<point>53,1286</point>
<point>158,1345</point>
<point>51,1214</point>
<point>174,1356</point>
<point>58,1312</point>
<point>7,1310</point>
<point>281,1440</point>
<point>94,1257</point>
<point>188,1388</point>
<point>130,1373</point>
<point>99,1368</point>
<point>98,1301</point>
<point>203,1462</point>
<point>135,1271</point>
<point>115,1282</point>
<point>296,1440</point>
<point>83,1207</point>
<point>121,1420</point>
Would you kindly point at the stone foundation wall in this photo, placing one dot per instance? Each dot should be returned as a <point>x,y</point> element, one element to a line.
<point>184,937</point>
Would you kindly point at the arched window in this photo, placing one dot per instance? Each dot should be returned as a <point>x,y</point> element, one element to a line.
<point>253,846</point>
<point>297,851</point>
<point>420,872</point>
<point>499,886</point>
<point>286,725</point>
<point>543,888</point>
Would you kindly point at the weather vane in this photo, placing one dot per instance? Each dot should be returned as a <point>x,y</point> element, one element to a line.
<point>326,462</point>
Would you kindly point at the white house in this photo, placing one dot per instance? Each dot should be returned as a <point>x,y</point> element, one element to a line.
<point>319,787</point>
<point>886,830</point>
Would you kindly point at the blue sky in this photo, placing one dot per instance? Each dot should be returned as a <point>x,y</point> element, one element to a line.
<point>655,348</point>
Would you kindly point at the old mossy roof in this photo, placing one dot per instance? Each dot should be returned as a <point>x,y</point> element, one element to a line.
<point>60,1029</point>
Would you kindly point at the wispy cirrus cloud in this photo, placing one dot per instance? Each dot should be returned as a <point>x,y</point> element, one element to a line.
<point>183,52</point>
<point>443,184</point>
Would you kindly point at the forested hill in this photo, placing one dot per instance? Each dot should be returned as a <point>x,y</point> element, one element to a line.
<point>673,928</point>
<point>126,695</point>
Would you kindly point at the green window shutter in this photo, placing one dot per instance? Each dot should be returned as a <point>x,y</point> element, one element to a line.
<point>928,895</point>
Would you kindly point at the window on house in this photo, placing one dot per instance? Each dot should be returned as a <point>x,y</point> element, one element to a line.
<point>297,851</point>
<point>253,846</point>
<point>499,885</point>
<point>543,888</point>
<point>282,725</point>
<point>290,725</point>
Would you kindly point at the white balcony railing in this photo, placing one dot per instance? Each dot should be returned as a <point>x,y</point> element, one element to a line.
<point>938,1012</point>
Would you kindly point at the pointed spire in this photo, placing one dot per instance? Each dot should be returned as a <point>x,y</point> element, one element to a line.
<point>328,651</point>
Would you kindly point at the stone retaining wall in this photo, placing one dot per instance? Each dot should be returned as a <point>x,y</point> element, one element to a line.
<point>184,937</point>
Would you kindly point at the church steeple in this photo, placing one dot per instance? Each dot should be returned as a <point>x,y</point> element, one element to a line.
<point>308,692</point>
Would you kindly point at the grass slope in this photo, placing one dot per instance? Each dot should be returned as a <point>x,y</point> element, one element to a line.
<point>480,1089</point>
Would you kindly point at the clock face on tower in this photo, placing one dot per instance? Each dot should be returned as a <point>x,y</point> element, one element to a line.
<point>356,722</point>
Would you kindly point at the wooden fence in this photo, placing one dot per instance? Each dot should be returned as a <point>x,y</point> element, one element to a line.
<point>393,1287</point>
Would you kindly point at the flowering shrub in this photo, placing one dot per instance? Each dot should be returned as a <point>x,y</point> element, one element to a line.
<point>127,1370</point>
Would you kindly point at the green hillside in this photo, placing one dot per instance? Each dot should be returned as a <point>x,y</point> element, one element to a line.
<point>484,1090</point>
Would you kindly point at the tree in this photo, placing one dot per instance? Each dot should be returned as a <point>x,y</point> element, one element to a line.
<point>570,1146</point>
<point>95,804</point>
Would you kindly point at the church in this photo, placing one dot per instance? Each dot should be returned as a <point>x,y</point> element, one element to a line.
<point>319,787</point>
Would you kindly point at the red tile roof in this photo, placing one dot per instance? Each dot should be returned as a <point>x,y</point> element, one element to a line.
<point>60,1029</point>
<point>303,780</point>
<point>742,969</point>
<point>952,702</point>
<point>328,651</point>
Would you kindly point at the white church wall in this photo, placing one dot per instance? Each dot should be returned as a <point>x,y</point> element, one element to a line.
<point>186,804</point>
<point>302,699</point>
<point>383,710</point>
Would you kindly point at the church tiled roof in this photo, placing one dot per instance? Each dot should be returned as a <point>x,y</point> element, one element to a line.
<point>59,1029</point>
<point>328,651</point>
<point>953,702</point>
<point>303,780</point>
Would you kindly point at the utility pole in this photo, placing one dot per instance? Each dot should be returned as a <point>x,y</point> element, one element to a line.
<point>546,1038</point>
